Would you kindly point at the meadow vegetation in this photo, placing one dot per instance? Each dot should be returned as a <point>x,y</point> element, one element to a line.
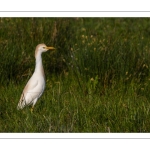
<point>97,79</point>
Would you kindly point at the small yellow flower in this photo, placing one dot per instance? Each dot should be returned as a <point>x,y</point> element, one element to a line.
<point>82,36</point>
<point>127,78</point>
<point>92,79</point>
<point>83,29</point>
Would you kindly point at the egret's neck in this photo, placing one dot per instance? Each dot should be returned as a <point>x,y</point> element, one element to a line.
<point>39,66</point>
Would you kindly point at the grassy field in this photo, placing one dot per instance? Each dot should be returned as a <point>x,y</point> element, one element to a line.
<point>97,80</point>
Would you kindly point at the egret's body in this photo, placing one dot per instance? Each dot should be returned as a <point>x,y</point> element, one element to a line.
<point>36,84</point>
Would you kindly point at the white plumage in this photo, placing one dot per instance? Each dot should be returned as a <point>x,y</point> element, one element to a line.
<point>36,84</point>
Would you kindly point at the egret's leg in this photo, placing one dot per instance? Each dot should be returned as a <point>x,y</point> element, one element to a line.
<point>33,104</point>
<point>32,108</point>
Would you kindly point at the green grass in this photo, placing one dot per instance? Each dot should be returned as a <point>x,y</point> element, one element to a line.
<point>98,79</point>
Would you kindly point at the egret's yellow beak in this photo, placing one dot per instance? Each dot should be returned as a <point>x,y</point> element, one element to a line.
<point>50,48</point>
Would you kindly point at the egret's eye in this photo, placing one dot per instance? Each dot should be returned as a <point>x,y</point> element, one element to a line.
<point>43,47</point>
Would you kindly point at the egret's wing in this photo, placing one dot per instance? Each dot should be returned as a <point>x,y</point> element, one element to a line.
<point>32,83</point>
<point>28,94</point>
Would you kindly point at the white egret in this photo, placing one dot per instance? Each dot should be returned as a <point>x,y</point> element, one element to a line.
<point>36,84</point>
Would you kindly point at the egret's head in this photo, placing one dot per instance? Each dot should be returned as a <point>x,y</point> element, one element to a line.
<point>42,48</point>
